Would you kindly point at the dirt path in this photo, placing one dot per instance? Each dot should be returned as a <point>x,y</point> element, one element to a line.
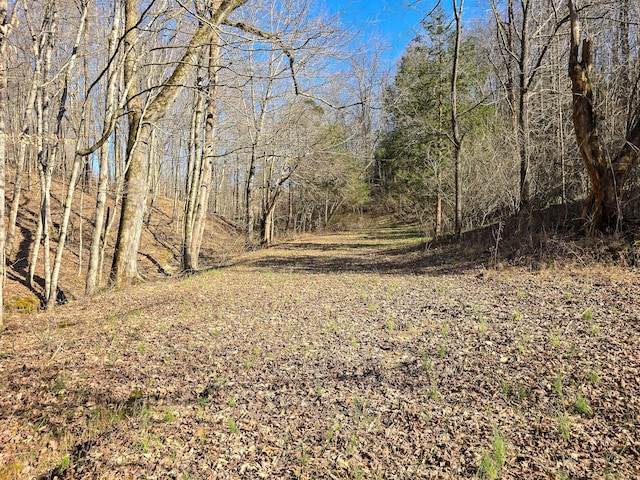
<point>342,356</point>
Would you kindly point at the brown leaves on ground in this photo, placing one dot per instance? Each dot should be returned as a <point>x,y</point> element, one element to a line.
<point>343,356</point>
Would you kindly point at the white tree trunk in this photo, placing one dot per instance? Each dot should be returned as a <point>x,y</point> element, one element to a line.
<point>4,27</point>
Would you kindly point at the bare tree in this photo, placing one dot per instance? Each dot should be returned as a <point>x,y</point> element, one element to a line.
<point>201,172</point>
<point>524,39</point>
<point>22,153</point>
<point>51,293</point>
<point>256,130</point>
<point>124,269</point>
<point>368,71</point>
<point>45,163</point>
<point>456,137</point>
<point>50,143</point>
<point>194,172</point>
<point>4,30</point>
<point>208,155</point>
<point>98,238</point>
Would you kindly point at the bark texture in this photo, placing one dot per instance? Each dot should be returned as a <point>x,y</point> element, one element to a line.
<point>97,238</point>
<point>602,208</point>
<point>124,270</point>
<point>3,87</point>
<point>455,131</point>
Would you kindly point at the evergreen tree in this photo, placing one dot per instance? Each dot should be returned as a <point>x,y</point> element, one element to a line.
<point>416,151</point>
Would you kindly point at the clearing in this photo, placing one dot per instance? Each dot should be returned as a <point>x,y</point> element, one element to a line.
<point>354,355</point>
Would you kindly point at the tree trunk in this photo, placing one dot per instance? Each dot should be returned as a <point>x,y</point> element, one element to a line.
<point>124,268</point>
<point>457,139</point>
<point>249,198</point>
<point>4,30</point>
<point>625,102</point>
<point>154,174</point>
<point>51,293</point>
<point>44,159</point>
<point>607,178</point>
<point>208,157</point>
<point>50,300</point>
<point>258,129</point>
<point>236,189</point>
<point>290,220</point>
<point>45,214</point>
<point>81,233</point>
<point>193,182</point>
<point>438,225</point>
<point>523,144</point>
<point>271,198</point>
<point>20,163</point>
<point>523,108</point>
<point>266,223</point>
<point>267,227</point>
<point>97,238</point>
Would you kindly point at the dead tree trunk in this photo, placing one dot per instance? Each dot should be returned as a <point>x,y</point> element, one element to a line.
<point>608,176</point>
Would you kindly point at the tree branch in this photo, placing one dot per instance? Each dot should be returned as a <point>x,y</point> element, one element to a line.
<point>272,38</point>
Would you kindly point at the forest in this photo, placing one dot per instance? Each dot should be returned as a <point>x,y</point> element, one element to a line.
<point>216,212</point>
<point>278,119</point>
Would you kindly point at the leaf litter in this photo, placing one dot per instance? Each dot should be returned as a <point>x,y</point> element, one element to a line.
<point>338,356</point>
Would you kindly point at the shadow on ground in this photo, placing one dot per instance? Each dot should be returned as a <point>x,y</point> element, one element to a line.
<point>384,251</point>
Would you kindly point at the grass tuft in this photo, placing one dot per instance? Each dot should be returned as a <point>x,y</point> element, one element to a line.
<point>492,462</point>
<point>582,406</point>
<point>488,469</point>
<point>564,426</point>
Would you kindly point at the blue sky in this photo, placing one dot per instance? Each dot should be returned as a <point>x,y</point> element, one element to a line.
<point>395,22</point>
<point>392,21</point>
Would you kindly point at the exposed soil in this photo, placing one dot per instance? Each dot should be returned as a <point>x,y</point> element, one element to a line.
<point>340,356</point>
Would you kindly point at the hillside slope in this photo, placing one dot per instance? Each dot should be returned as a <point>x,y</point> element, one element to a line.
<point>159,254</point>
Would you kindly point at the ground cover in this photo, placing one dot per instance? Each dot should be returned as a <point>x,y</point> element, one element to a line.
<point>356,355</point>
